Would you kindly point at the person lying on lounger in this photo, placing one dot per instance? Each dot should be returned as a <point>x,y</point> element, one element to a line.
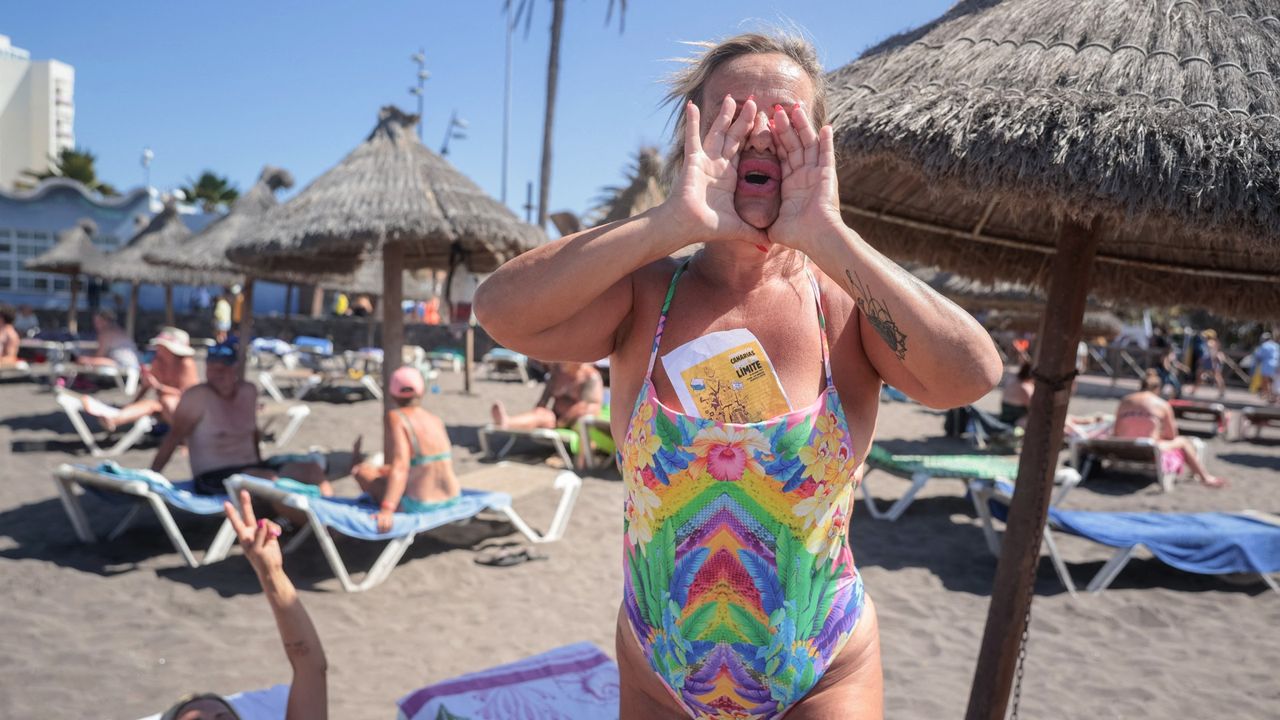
<point>171,372</point>
<point>218,422</point>
<point>115,347</point>
<point>574,390</point>
<point>308,690</point>
<point>1144,414</point>
<point>419,473</point>
<point>9,339</point>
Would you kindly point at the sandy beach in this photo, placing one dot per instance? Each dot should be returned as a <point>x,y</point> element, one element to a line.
<point>120,629</point>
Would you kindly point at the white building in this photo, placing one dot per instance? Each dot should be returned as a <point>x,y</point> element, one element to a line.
<point>37,112</point>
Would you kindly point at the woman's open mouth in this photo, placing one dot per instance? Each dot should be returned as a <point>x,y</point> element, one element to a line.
<point>758,177</point>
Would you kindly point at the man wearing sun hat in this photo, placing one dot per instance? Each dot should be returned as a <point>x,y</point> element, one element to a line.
<point>172,370</point>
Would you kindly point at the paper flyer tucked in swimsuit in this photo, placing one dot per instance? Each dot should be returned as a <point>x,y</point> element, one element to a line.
<point>726,376</point>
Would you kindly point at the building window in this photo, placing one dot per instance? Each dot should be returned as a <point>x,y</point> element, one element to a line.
<point>60,284</point>
<point>39,236</point>
<point>6,264</point>
<point>5,283</point>
<point>30,283</point>
<point>27,251</point>
<point>5,247</point>
<point>24,234</point>
<point>5,232</point>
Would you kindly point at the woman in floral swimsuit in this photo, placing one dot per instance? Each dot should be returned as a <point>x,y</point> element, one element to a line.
<point>742,598</point>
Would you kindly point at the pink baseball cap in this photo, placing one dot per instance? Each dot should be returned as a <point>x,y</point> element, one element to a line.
<point>407,382</point>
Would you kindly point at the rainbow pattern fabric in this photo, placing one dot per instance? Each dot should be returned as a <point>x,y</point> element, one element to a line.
<point>740,586</point>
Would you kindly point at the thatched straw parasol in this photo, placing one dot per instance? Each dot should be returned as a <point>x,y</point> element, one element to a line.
<point>128,263</point>
<point>1098,323</point>
<point>1132,144</point>
<point>393,199</point>
<point>391,190</point>
<point>977,295</point>
<point>73,251</point>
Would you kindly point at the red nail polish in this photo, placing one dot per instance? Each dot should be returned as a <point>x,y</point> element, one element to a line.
<point>777,107</point>
<point>795,107</point>
<point>751,98</point>
<point>262,523</point>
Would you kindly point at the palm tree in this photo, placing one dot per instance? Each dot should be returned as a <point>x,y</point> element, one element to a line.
<point>525,10</point>
<point>74,164</point>
<point>210,190</point>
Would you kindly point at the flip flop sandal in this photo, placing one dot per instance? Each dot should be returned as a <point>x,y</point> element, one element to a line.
<point>510,558</point>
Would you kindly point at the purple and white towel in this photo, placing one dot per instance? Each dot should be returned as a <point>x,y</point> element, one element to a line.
<point>574,682</point>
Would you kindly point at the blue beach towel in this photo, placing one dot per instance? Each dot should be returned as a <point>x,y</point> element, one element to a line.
<point>354,516</point>
<point>574,682</point>
<point>1208,543</point>
<point>177,495</point>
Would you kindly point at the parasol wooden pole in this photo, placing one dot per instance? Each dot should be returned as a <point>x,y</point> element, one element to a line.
<point>317,301</point>
<point>132,313</point>
<point>468,367</point>
<point>72,325</point>
<point>244,331</point>
<point>168,305</point>
<point>288,300</point>
<point>392,327</point>
<point>1020,550</point>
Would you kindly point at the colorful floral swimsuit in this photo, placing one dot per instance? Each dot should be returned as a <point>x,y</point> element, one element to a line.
<point>740,586</point>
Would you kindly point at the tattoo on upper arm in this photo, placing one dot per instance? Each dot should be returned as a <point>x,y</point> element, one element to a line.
<point>878,315</point>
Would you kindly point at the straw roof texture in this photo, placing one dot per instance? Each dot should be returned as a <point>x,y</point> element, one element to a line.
<point>390,189</point>
<point>207,250</point>
<point>128,265</point>
<point>977,295</point>
<point>73,250</point>
<point>1096,323</point>
<point>966,142</point>
<point>643,190</point>
<point>367,280</point>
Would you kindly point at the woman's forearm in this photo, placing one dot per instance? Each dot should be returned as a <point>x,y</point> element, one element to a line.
<point>539,290</point>
<point>919,342</point>
<point>308,691</point>
<point>397,481</point>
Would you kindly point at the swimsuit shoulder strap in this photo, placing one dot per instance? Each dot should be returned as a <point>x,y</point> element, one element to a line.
<point>403,414</point>
<point>822,325</point>
<point>662,318</point>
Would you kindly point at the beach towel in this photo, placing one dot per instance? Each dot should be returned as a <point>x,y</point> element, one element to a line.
<point>180,495</point>
<point>354,516</point>
<point>574,682</point>
<point>1208,543</point>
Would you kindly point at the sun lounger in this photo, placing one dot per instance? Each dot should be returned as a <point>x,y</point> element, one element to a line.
<point>124,378</point>
<point>492,488</point>
<point>148,489</point>
<point>450,360</point>
<point>1256,417</point>
<point>266,704</point>
<point>20,370</point>
<point>288,417</point>
<point>1212,412</point>
<point>501,363</point>
<point>920,469</point>
<point>559,438</point>
<point>1129,454</point>
<point>574,682</point>
<point>1205,543</point>
<point>73,406</point>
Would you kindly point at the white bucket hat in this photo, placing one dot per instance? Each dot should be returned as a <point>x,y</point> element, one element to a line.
<point>175,341</point>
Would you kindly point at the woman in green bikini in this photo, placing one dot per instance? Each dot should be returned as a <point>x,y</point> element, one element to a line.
<point>419,474</point>
<point>741,598</point>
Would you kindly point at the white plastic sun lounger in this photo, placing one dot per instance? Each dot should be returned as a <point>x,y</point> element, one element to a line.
<point>20,370</point>
<point>1208,543</point>
<point>72,405</point>
<point>353,516</point>
<point>1129,454</point>
<point>288,417</point>
<point>501,363</point>
<point>72,481</point>
<point>542,436</point>
<point>126,379</point>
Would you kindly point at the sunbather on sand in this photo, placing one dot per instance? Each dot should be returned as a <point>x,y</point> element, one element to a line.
<point>8,338</point>
<point>1015,396</point>
<point>218,422</point>
<point>419,473</point>
<point>115,348</point>
<point>308,690</point>
<point>573,391</point>
<point>171,372</point>
<point>1145,414</point>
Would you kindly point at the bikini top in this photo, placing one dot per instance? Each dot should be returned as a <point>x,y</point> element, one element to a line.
<point>418,458</point>
<point>740,586</point>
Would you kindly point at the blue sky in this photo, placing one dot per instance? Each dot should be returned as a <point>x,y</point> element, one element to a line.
<point>233,85</point>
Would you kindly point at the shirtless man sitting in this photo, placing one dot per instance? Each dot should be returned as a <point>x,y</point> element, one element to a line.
<point>170,373</point>
<point>573,391</point>
<point>115,347</point>
<point>218,422</point>
<point>419,473</point>
<point>1144,414</point>
<point>8,338</point>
